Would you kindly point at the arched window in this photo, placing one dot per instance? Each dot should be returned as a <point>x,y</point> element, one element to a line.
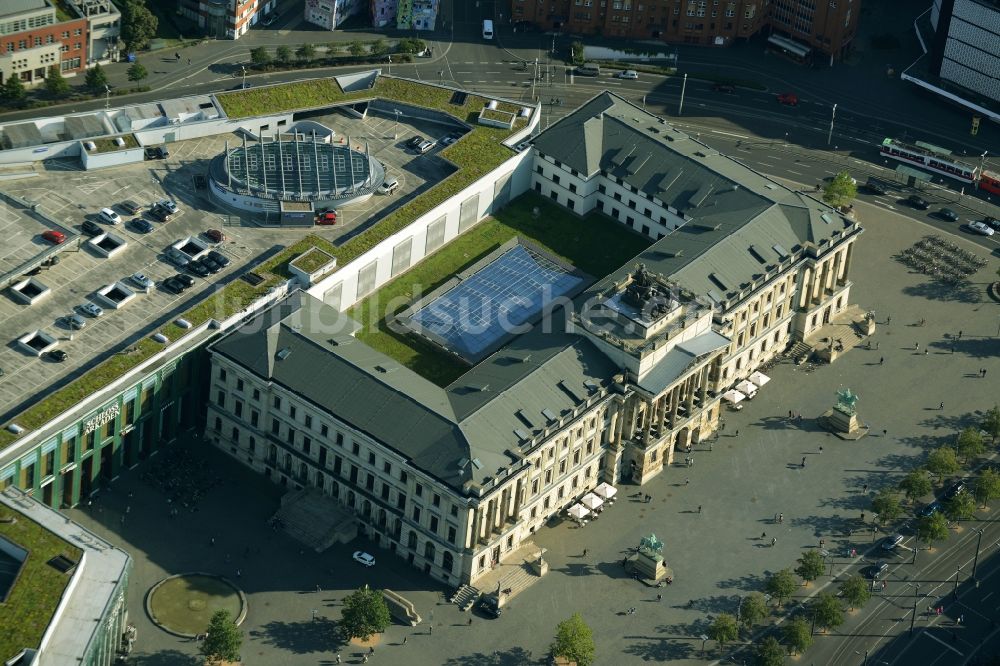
<point>411,541</point>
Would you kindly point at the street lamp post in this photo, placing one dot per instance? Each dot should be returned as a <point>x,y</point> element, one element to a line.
<point>954,590</point>
<point>916,595</point>
<point>680,109</point>
<point>244,68</point>
<point>975,562</point>
<point>395,125</point>
<point>107,97</point>
<point>833,116</point>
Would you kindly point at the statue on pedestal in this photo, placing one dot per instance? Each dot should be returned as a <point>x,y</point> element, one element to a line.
<point>846,401</point>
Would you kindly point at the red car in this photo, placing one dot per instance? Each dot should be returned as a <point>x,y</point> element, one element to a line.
<point>53,236</point>
<point>327,217</point>
<point>215,235</point>
<point>791,99</point>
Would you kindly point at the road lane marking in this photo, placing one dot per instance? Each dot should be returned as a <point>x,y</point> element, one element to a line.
<point>933,637</point>
<point>738,136</point>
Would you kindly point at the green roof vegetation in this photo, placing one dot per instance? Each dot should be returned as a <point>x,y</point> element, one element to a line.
<point>38,588</point>
<point>223,303</point>
<point>312,260</point>
<point>595,244</point>
<point>107,144</point>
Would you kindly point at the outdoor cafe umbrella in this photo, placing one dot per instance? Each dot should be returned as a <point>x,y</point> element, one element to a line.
<point>591,501</point>
<point>578,511</point>
<point>605,490</point>
<point>747,387</point>
<point>759,378</point>
<point>734,396</point>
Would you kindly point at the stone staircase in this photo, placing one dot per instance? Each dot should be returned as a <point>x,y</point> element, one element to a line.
<point>465,597</point>
<point>315,520</point>
<point>519,580</point>
<point>799,352</point>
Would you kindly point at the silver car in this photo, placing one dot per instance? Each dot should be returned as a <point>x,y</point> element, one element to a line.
<point>981,228</point>
<point>91,309</point>
<point>141,281</point>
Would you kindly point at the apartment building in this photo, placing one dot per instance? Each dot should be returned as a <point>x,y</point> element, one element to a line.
<point>329,14</point>
<point>36,34</point>
<point>800,29</point>
<point>103,28</point>
<point>226,19</point>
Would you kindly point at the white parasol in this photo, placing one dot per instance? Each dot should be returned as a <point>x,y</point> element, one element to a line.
<point>759,378</point>
<point>591,501</point>
<point>605,490</point>
<point>733,396</point>
<point>746,387</point>
<point>578,511</point>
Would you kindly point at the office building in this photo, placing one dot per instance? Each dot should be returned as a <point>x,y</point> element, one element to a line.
<point>36,34</point>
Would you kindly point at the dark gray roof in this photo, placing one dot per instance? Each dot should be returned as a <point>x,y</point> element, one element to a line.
<point>457,435</point>
<point>679,360</point>
<point>11,8</point>
<point>738,223</point>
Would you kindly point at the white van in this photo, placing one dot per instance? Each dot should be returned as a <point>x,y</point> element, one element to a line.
<point>487,29</point>
<point>388,186</point>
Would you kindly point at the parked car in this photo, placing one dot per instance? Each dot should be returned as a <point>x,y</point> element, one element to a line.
<point>198,268</point>
<point>156,153</point>
<point>173,285</point>
<point>73,321</point>
<point>326,217</point>
<point>389,185</point>
<point>981,228</point>
<point>875,187</point>
<point>176,257</point>
<point>57,355</point>
<point>167,205</point>
<point>109,216</point>
<point>992,222</point>
<point>53,236</point>
<point>891,542</point>
<point>917,202</point>
<point>91,309</point>
<point>215,235</point>
<point>789,99</point>
<point>450,139</point>
<point>415,141</point>
<point>130,207</point>
<point>141,281</point>
<point>426,147</point>
<point>159,214</point>
<point>91,228</point>
<point>878,570</point>
<point>930,509</point>
<point>724,88</point>
<point>211,264</point>
<point>142,226</point>
<point>219,258</point>
<point>627,74</point>
<point>948,214</point>
<point>954,490</point>
<point>489,604</point>
<point>361,557</point>
<point>186,280</point>
<point>270,18</point>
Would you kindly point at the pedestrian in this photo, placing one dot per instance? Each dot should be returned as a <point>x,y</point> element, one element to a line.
<point>821,449</point>
<point>803,461</point>
<point>318,588</point>
<point>763,535</point>
<point>822,542</point>
<point>885,433</point>
<point>123,520</point>
<point>211,541</point>
<point>961,618</point>
<point>960,335</point>
<point>722,425</point>
<point>430,629</point>
<point>585,552</point>
<point>338,657</point>
<point>699,508</point>
<point>881,360</point>
<point>470,621</point>
<point>781,517</point>
<point>862,516</point>
<point>774,540</point>
<point>239,573</point>
<point>690,461</point>
<point>128,509</point>
<point>916,346</point>
<point>878,345</point>
<point>687,482</point>
<point>864,489</point>
<point>888,320</point>
<point>371,650</point>
<point>941,405</point>
<point>885,584</point>
<point>404,640</point>
<point>925,351</point>
<point>364,659</point>
<point>659,597</point>
<point>737,433</point>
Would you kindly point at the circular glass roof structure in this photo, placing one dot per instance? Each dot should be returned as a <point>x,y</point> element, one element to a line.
<point>300,167</point>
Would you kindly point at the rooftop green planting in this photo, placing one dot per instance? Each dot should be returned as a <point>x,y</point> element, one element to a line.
<point>221,304</point>
<point>594,244</point>
<point>108,145</point>
<point>38,588</point>
<point>312,260</point>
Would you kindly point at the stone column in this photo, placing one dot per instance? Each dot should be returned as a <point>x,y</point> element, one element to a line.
<point>689,389</point>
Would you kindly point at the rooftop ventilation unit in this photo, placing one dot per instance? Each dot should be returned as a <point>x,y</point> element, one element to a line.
<point>549,416</point>
<point>283,353</point>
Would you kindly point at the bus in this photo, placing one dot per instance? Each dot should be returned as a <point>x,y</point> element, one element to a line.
<point>487,29</point>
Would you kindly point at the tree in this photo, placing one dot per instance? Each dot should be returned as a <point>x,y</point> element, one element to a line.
<point>991,423</point>
<point>856,591</point>
<point>840,191</point>
<point>574,640</point>
<point>356,48</point>
<point>942,461</point>
<point>970,444</point>
<point>960,507</point>
<point>782,585</point>
<point>753,610</point>
<point>987,486</point>
<point>333,48</point>
<point>305,52</point>
<point>13,90</point>
<point>723,629</point>
<point>378,47</point>
<point>915,484</point>
<point>768,652</point>
<point>96,79</point>
<point>224,638</point>
<point>827,611</point>
<point>811,566</point>
<point>138,24</point>
<point>137,72</point>
<point>283,55</point>
<point>55,82</point>
<point>932,528</point>
<point>797,635</point>
<point>411,45</point>
<point>260,57</point>
<point>365,613</point>
<point>886,505</point>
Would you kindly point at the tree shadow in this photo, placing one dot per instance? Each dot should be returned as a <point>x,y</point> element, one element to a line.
<point>953,422</point>
<point>663,649</point>
<point>747,583</point>
<point>170,658</point>
<point>935,290</point>
<point>515,656</point>
<point>717,604</point>
<point>305,637</point>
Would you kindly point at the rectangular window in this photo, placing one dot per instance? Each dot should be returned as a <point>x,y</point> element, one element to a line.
<point>309,421</point>
<point>291,411</point>
<point>452,535</point>
<point>419,490</point>
<point>220,399</point>
<point>324,430</point>
<point>434,524</point>
<point>254,417</point>
<point>238,408</point>
<point>222,374</point>
<point>239,385</point>
<point>256,394</point>
<point>277,402</point>
<point>416,514</point>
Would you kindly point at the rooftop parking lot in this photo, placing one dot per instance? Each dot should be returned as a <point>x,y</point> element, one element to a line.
<point>74,197</point>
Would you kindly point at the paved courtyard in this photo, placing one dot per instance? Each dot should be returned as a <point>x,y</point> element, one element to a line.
<point>740,481</point>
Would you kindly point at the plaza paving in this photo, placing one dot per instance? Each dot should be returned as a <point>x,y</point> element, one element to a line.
<point>752,473</point>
